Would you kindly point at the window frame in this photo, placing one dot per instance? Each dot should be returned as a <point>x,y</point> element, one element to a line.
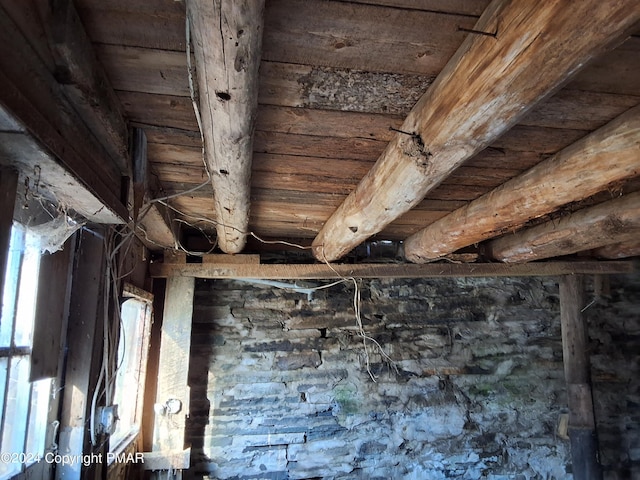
<point>29,461</point>
<point>131,292</point>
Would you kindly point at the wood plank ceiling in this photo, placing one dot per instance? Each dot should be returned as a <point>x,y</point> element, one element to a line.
<point>335,79</point>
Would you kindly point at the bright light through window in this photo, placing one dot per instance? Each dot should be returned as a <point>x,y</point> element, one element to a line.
<point>24,404</point>
<point>132,354</point>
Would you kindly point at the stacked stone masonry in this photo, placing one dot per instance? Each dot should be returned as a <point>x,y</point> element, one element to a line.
<point>475,390</point>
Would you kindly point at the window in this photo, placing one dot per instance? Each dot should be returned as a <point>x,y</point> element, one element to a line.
<point>24,404</point>
<point>135,326</point>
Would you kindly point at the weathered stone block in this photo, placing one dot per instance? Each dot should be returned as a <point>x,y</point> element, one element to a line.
<point>296,361</point>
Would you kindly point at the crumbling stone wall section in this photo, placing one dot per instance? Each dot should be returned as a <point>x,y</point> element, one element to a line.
<point>280,388</point>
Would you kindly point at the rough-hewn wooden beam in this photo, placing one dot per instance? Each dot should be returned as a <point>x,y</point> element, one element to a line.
<point>609,222</point>
<point>31,94</point>
<point>485,88</point>
<point>84,80</point>
<point>227,41</point>
<point>619,250</point>
<point>374,270</point>
<point>583,169</point>
<point>54,181</point>
<point>575,356</point>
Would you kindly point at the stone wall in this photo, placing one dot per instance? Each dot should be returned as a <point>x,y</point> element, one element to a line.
<point>474,389</point>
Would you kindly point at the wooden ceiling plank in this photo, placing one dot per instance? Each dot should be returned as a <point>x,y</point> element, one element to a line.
<point>159,110</point>
<point>579,110</point>
<point>145,70</point>
<point>608,155</point>
<point>332,123</point>
<point>331,272</point>
<point>171,136</point>
<point>616,72</point>
<point>343,35</point>
<point>318,146</point>
<point>176,154</point>
<point>227,39</point>
<point>457,7</point>
<point>615,221</point>
<point>158,25</point>
<point>535,50</point>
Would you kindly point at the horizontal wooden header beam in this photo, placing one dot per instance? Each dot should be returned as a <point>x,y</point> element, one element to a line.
<point>371,270</point>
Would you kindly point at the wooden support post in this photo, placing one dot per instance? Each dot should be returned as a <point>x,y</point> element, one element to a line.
<point>606,156</point>
<point>575,352</point>
<point>486,87</point>
<point>84,341</point>
<point>52,312</point>
<point>153,225</point>
<point>614,221</point>
<point>140,168</point>
<point>172,394</point>
<point>227,42</point>
<point>8,187</point>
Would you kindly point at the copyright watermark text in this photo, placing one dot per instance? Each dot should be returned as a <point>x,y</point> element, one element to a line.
<point>71,460</point>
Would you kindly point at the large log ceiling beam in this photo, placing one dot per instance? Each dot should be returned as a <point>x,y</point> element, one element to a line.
<point>609,154</point>
<point>615,221</point>
<point>227,43</point>
<point>486,87</point>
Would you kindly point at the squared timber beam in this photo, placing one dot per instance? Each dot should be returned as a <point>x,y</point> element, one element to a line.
<point>334,271</point>
<point>31,94</point>
<point>84,80</point>
<point>487,86</point>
